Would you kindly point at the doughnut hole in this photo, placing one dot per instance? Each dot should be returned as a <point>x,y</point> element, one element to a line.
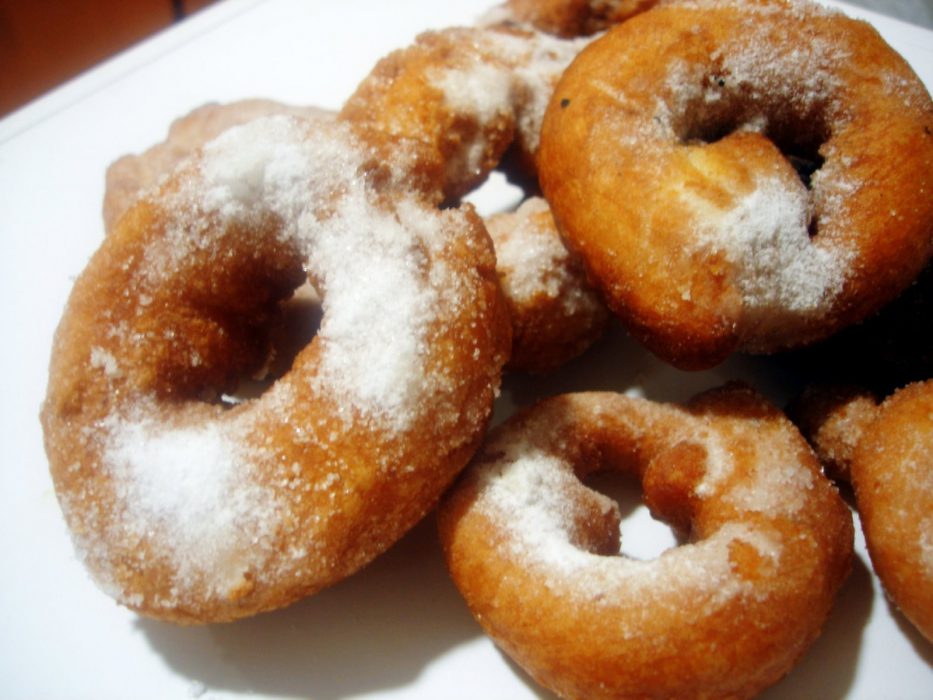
<point>639,534</point>
<point>210,326</point>
<point>797,129</point>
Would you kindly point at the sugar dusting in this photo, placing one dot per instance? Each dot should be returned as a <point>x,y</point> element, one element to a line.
<point>373,334</point>
<point>534,262</point>
<point>507,74</point>
<point>189,486</point>
<point>777,267</point>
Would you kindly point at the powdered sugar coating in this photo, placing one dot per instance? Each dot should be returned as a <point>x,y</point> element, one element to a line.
<point>719,165</point>
<point>533,261</point>
<point>266,167</point>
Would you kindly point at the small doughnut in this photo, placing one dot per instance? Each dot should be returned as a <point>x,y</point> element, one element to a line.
<point>741,175</point>
<point>832,418</point>
<point>462,96</point>
<point>128,176</point>
<point>570,18</point>
<point>536,553</point>
<point>190,506</point>
<point>555,313</point>
<point>892,476</point>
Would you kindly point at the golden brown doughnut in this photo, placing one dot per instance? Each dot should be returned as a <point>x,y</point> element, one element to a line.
<point>535,552</point>
<point>128,176</point>
<point>460,98</point>
<point>555,313</point>
<point>892,475</point>
<point>741,175</point>
<point>190,506</point>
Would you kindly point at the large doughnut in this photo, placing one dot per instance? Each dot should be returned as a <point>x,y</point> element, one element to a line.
<point>130,175</point>
<point>555,313</point>
<point>892,475</point>
<point>741,175</point>
<point>534,551</point>
<point>188,506</point>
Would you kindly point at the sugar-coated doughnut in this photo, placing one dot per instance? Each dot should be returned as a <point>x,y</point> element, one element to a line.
<point>741,175</point>
<point>461,97</point>
<point>892,475</point>
<point>535,552</point>
<point>132,174</point>
<point>189,505</point>
<point>570,18</point>
<point>555,313</point>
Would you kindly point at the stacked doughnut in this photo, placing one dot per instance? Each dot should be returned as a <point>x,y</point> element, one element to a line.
<point>741,175</point>
<point>886,451</point>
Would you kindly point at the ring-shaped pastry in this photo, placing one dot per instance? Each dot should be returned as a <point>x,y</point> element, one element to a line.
<point>535,552</point>
<point>190,505</point>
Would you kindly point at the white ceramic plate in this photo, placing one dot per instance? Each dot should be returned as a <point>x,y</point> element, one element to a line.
<point>399,628</point>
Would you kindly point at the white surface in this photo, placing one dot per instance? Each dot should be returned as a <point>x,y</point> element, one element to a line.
<point>398,629</point>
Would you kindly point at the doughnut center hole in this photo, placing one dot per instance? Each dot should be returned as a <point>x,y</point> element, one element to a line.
<point>642,536</point>
<point>798,132</point>
<point>297,323</point>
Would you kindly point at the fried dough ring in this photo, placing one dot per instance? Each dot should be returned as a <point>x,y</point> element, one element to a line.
<point>461,98</point>
<point>661,156</point>
<point>886,451</point>
<point>531,548</point>
<point>193,511</point>
<point>892,475</point>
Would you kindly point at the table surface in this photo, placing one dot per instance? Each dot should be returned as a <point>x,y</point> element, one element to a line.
<point>398,629</point>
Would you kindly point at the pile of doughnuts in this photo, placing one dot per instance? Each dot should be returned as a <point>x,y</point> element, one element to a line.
<point>719,176</point>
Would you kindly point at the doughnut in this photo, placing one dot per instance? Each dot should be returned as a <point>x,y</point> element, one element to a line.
<point>741,176</point>
<point>892,476</point>
<point>570,18</point>
<point>128,176</point>
<point>461,97</point>
<point>535,552</point>
<point>191,504</point>
<point>833,418</point>
<point>555,313</point>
